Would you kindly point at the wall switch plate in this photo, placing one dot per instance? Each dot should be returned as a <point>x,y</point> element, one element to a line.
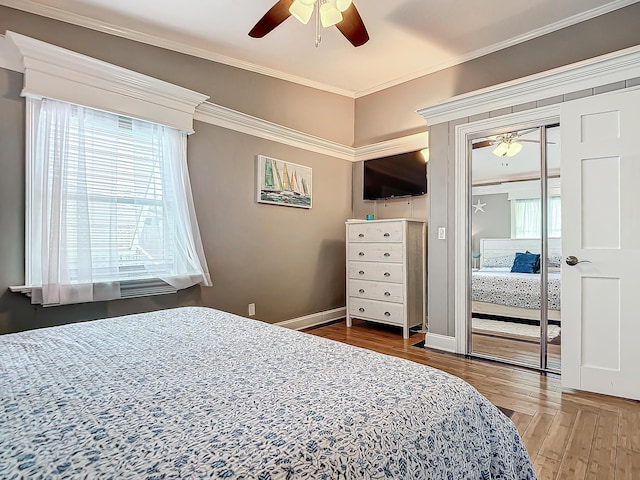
<point>442,233</point>
<point>252,309</point>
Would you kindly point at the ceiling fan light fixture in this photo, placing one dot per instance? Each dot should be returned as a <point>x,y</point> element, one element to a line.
<point>513,149</point>
<point>329,14</point>
<point>306,2</point>
<point>501,150</point>
<point>342,5</point>
<point>301,11</point>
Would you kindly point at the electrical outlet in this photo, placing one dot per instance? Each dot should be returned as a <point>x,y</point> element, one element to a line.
<point>252,309</point>
<point>442,233</point>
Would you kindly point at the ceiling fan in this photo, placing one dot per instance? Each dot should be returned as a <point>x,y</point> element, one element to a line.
<point>507,144</point>
<point>341,13</point>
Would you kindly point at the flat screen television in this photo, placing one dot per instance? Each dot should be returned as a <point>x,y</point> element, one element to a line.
<point>401,175</point>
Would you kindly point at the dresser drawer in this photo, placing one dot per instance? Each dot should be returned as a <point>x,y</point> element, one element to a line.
<point>376,232</point>
<point>379,272</point>
<point>385,312</point>
<point>387,292</point>
<point>375,252</point>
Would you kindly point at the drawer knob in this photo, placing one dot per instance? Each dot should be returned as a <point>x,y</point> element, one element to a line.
<point>361,290</point>
<point>387,274</point>
<point>387,294</point>
<point>361,235</point>
<point>361,254</point>
<point>387,235</point>
<point>387,314</point>
<point>387,254</point>
<point>361,309</point>
<point>361,272</point>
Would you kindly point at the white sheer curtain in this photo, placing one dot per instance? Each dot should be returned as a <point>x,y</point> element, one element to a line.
<point>527,218</point>
<point>110,202</point>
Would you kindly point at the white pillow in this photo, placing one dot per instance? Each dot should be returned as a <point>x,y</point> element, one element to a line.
<point>495,269</point>
<point>502,261</point>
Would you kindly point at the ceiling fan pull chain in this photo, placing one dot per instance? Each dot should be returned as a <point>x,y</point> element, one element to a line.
<point>318,36</point>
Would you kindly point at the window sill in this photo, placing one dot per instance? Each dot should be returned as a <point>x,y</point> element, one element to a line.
<point>128,288</point>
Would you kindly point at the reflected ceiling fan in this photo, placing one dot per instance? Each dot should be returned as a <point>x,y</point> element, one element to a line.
<point>341,13</point>
<point>507,144</point>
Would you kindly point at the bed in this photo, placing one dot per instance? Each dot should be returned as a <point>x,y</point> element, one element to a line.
<point>496,291</point>
<point>195,392</point>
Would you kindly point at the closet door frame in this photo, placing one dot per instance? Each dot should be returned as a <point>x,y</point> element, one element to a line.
<point>464,135</point>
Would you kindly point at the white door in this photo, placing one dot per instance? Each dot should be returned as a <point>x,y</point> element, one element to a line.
<point>601,225</point>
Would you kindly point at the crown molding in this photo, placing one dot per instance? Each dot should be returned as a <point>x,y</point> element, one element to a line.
<point>241,122</point>
<point>65,75</point>
<point>10,59</point>
<point>567,22</point>
<point>55,13</point>
<point>603,70</point>
<point>61,74</point>
<point>408,143</point>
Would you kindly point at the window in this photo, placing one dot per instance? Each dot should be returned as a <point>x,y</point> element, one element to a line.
<point>109,207</point>
<point>527,218</point>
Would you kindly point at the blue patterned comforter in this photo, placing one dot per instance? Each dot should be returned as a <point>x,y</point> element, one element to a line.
<point>197,393</point>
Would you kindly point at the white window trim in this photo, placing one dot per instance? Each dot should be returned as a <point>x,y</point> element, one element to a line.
<point>60,74</point>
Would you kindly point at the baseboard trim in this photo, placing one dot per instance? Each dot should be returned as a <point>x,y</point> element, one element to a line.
<point>314,320</point>
<point>440,342</point>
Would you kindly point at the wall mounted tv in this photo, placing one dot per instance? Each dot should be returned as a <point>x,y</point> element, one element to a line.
<point>401,175</point>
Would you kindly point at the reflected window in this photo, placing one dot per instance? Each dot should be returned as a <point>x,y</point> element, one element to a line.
<point>527,215</point>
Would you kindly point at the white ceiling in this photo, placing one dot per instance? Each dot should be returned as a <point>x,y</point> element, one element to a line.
<point>409,38</point>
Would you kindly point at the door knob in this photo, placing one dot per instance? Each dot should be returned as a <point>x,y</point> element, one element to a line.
<point>571,261</point>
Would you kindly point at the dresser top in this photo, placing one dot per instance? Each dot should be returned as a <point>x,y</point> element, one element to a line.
<point>383,220</point>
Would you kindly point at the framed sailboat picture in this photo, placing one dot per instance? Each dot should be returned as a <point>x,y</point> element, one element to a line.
<point>283,183</point>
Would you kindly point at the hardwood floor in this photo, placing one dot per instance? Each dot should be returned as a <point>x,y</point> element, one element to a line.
<point>568,434</point>
<point>523,350</point>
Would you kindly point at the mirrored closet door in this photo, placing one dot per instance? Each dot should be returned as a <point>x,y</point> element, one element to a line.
<point>515,247</point>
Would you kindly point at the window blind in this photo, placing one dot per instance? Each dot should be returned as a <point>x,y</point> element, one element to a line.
<point>109,204</point>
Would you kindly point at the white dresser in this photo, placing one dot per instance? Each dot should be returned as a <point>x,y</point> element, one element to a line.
<point>386,272</point>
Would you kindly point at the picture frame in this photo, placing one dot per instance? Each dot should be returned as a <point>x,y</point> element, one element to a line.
<point>283,183</point>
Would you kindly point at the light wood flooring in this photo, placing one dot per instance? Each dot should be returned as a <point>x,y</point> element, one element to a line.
<point>569,434</point>
<point>514,348</point>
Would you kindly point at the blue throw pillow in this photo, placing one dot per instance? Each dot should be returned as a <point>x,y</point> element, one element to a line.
<point>526,263</point>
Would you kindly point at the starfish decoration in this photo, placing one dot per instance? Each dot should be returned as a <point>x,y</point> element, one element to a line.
<point>479,207</point>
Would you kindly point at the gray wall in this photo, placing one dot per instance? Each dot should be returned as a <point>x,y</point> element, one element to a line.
<point>288,261</point>
<point>494,222</point>
<point>391,113</point>
<point>441,184</point>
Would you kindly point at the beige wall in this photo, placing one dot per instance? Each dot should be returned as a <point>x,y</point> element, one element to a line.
<point>391,112</point>
<point>288,261</point>
<point>275,256</point>
<point>319,113</point>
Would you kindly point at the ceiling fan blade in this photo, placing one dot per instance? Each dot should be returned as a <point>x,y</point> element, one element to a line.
<point>526,132</point>
<point>274,17</point>
<point>484,143</point>
<point>533,141</point>
<point>352,27</point>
